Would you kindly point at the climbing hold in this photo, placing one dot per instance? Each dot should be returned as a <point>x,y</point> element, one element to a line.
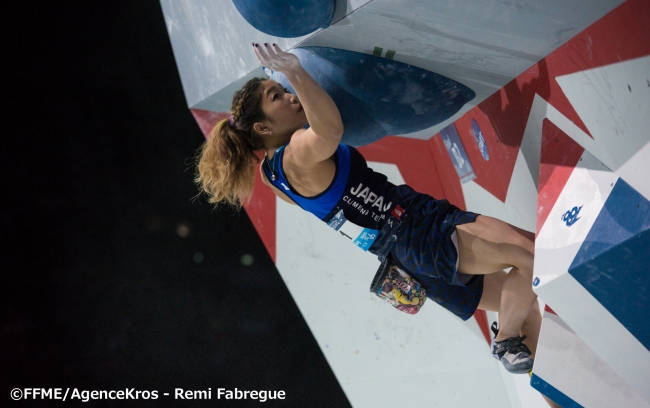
<point>287,19</point>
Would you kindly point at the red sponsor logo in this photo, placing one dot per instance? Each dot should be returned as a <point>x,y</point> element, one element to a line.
<point>398,212</point>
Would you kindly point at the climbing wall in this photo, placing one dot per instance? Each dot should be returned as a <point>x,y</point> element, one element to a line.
<point>554,140</point>
<point>569,371</point>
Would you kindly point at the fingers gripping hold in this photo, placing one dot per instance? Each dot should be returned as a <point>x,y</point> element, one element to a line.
<point>272,57</point>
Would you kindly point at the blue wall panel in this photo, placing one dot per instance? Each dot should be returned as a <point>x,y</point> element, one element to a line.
<point>613,263</point>
<point>378,96</point>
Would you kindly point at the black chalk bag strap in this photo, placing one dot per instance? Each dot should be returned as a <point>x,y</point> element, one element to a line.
<point>381,274</point>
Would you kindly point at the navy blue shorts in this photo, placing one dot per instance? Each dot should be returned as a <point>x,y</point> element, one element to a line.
<point>425,249</point>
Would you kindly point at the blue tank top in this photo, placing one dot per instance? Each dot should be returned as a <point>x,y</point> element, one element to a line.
<point>365,196</point>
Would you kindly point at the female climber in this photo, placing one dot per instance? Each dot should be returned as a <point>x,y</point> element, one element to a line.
<point>459,257</point>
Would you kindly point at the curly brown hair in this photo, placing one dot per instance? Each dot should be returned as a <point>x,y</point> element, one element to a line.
<point>226,162</point>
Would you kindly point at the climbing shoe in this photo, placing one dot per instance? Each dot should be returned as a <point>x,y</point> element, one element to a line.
<point>512,352</point>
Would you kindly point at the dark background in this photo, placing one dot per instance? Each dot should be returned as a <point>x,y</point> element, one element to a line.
<point>113,277</point>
